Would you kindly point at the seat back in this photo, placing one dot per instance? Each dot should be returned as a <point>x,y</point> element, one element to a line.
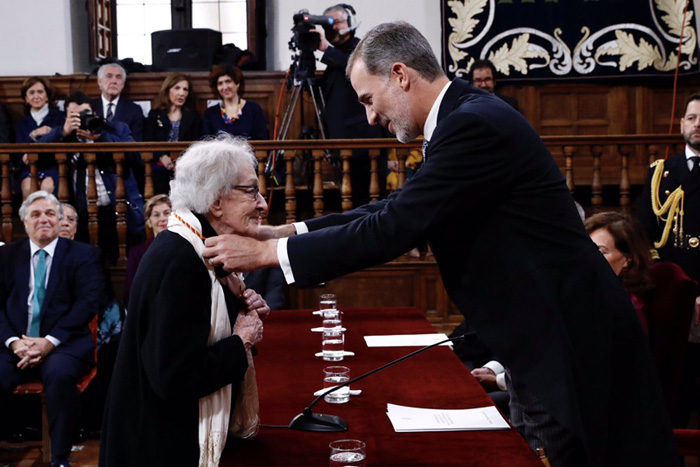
<point>669,310</point>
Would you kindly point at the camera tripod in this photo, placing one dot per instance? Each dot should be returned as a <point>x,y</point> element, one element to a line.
<point>309,85</point>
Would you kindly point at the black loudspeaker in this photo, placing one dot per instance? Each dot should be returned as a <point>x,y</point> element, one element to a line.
<point>184,49</point>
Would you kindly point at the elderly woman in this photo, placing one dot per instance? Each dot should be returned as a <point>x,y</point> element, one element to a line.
<point>234,115</point>
<point>624,246</point>
<point>42,116</point>
<point>187,339</point>
<point>173,118</point>
<point>157,212</point>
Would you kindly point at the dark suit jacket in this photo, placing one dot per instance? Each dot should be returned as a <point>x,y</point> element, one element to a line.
<point>165,364</point>
<point>515,259</point>
<point>126,112</point>
<point>678,174</point>
<point>158,126</point>
<point>268,282</point>
<point>75,284</point>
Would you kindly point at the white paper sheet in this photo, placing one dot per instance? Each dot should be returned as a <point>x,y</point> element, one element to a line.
<point>406,340</point>
<point>412,419</point>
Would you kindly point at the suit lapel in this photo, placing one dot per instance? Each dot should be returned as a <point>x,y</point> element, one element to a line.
<point>22,279</point>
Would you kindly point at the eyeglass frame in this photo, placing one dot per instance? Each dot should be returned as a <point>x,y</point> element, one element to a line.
<point>255,190</point>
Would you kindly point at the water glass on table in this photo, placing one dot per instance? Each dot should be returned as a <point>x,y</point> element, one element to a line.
<point>332,320</point>
<point>333,344</point>
<point>347,453</point>
<point>335,376</point>
<point>327,301</point>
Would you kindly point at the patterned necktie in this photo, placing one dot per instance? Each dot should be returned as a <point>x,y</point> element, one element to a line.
<point>694,160</point>
<point>425,148</point>
<point>39,292</point>
<point>110,112</point>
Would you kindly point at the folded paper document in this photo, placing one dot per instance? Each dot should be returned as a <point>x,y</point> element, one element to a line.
<point>410,419</point>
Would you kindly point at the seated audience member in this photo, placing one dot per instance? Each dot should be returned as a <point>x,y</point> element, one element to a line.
<point>483,75</point>
<point>68,226</point>
<point>5,125</point>
<point>172,119</point>
<point>233,114</point>
<point>105,177</point>
<point>49,289</point>
<point>42,116</point>
<point>111,105</point>
<point>624,246</point>
<point>157,210</point>
<point>186,345</point>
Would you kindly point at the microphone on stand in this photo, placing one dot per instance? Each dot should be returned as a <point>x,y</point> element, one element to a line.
<point>309,421</point>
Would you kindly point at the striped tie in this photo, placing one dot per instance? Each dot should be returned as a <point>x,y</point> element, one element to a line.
<point>425,148</point>
<point>110,112</point>
<point>39,292</point>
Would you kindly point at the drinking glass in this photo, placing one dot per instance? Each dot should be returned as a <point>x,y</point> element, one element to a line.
<point>335,376</point>
<point>327,301</point>
<point>333,344</point>
<point>347,452</point>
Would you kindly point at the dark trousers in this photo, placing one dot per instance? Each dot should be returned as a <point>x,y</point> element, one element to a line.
<point>59,373</point>
<point>540,429</point>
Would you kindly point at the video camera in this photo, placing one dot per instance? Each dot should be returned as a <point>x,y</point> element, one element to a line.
<point>94,123</point>
<point>305,41</point>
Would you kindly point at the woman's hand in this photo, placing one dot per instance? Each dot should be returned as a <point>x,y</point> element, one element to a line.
<point>39,132</point>
<point>256,303</point>
<point>249,328</point>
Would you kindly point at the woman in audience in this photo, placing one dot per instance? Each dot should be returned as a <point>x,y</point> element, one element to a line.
<point>157,212</point>
<point>173,118</point>
<point>182,371</point>
<point>42,116</point>
<point>233,114</point>
<point>624,246</point>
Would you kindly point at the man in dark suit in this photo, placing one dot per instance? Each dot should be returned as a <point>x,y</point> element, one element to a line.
<point>344,116</point>
<point>111,79</point>
<point>669,211</point>
<point>483,75</point>
<point>512,251</point>
<point>105,178</point>
<point>49,288</point>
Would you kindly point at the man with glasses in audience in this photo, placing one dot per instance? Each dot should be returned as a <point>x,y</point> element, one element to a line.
<point>483,76</point>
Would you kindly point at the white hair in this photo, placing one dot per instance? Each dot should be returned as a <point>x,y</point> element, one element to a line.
<point>207,170</point>
<point>41,194</point>
<point>102,70</point>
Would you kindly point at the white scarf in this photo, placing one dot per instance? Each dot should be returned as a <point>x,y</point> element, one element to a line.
<point>214,409</point>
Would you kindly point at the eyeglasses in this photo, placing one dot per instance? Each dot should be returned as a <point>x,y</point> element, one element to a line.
<point>251,190</point>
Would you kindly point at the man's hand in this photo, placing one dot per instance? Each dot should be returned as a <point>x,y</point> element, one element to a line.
<point>87,135</point>
<point>240,254</point>
<point>487,378</point>
<point>167,162</point>
<point>72,123</point>
<point>31,351</point>
<point>323,44</point>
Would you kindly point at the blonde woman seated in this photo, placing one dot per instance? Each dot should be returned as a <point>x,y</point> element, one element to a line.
<point>157,211</point>
<point>188,335</point>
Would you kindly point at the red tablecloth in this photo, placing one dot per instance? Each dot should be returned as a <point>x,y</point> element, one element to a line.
<point>289,373</point>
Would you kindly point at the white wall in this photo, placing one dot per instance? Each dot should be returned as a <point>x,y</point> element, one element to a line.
<point>38,37</point>
<point>423,14</point>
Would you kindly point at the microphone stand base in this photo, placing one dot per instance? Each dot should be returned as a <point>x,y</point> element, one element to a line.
<point>318,422</point>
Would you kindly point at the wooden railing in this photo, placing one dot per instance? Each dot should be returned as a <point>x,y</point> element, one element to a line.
<point>604,160</point>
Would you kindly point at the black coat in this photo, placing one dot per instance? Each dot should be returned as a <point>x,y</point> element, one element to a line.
<point>157,127</point>
<point>165,364</point>
<point>515,259</point>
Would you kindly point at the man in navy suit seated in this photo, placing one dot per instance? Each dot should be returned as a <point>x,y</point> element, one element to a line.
<point>49,288</point>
